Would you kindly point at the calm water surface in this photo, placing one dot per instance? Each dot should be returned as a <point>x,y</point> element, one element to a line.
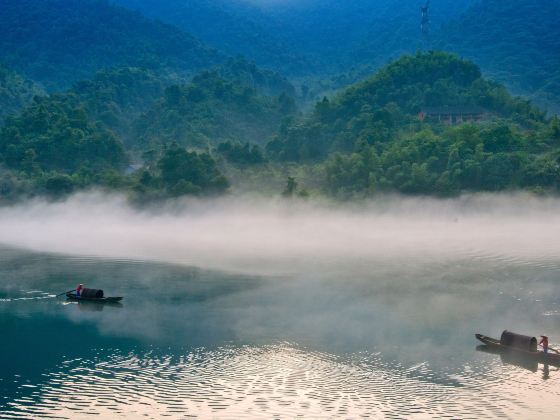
<point>390,338</point>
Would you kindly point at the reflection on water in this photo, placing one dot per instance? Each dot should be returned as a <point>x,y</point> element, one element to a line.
<point>281,380</point>
<point>391,339</point>
<point>514,359</point>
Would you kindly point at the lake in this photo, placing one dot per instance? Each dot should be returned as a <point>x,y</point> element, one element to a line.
<point>382,337</point>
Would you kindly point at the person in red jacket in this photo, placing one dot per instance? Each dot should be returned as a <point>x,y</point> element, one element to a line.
<point>544,343</point>
<point>79,289</point>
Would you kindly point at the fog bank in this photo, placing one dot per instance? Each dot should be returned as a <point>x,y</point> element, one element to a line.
<point>259,236</point>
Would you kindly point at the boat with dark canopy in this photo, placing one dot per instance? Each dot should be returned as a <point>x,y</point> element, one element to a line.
<point>522,345</point>
<point>93,295</point>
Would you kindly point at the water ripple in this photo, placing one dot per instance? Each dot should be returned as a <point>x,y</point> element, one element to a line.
<point>279,381</point>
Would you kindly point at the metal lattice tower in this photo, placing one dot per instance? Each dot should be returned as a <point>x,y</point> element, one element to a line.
<point>425,23</point>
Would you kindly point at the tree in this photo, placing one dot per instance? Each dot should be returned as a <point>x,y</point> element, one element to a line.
<point>291,187</point>
<point>58,185</point>
<point>184,172</point>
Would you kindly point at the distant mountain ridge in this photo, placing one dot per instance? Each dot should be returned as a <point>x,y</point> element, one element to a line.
<point>514,42</point>
<point>57,42</point>
<point>232,27</point>
<point>304,37</point>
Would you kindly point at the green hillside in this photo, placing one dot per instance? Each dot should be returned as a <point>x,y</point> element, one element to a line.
<point>57,42</point>
<point>266,82</point>
<point>385,134</point>
<point>234,27</point>
<point>54,134</point>
<point>15,92</point>
<point>516,42</point>
<point>374,140</point>
<point>378,109</point>
<point>330,44</point>
<point>86,135</point>
<point>210,110</point>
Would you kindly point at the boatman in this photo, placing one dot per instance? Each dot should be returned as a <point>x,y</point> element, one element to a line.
<point>79,289</point>
<point>544,343</point>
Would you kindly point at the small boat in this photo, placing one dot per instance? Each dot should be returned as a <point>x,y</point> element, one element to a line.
<point>92,295</point>
<point>109,299</point>
<point>521,345</point>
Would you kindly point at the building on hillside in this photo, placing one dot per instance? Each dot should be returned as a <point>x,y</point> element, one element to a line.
<point>453,115</point>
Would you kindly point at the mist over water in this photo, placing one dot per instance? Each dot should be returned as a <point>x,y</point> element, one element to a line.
<point>249,308</point>
<point>259,236</point>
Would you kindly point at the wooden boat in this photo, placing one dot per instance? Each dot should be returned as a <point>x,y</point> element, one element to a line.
<point>73,296</point>
<point>549,358</point>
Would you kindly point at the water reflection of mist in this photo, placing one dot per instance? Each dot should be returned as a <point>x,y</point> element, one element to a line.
<point>413,312</point>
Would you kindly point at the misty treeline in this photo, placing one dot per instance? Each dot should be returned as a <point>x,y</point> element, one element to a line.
<point>373,139</point>
<point>181,138</point>
<point>144,108</point>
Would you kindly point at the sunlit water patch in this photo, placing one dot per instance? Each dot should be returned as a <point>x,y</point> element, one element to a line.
<point>280,381</point>
<point>390,339</point>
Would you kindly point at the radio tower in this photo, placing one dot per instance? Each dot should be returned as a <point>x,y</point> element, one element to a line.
<point>425,24</point>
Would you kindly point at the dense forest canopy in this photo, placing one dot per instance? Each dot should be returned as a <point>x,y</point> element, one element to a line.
<point>374,138</point>
<point>115,98</point>
<point>54,134</point>
<point>15,92</point>
<point>87,135</point>
<point>377,109</point>
<point>267,82</point>
<point>211,109</point>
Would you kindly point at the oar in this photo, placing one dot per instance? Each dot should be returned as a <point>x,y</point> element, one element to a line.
<point>63,293</point>
<point>554,350</point>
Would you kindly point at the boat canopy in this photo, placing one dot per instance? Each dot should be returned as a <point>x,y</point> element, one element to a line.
<point>518,341</point>
<point>92,293</point>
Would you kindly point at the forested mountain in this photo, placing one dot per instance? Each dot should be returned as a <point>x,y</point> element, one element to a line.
<point>57,42</point>
<point>86,135</point>
<point>15,92</point>
<point>304,37</point>
<point>124,89</point>
<point>55,148</point>
<point>234,27</point>
<point>377,109</point>
<point>112,101</point>
<point>378,125</point>
<point>372,137</point>
<point>124,99</point>
<point>211,110</point>
<point>516,42</point>
<point>266,82</point>
<point>53,134</point>
<point>117,97</point>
